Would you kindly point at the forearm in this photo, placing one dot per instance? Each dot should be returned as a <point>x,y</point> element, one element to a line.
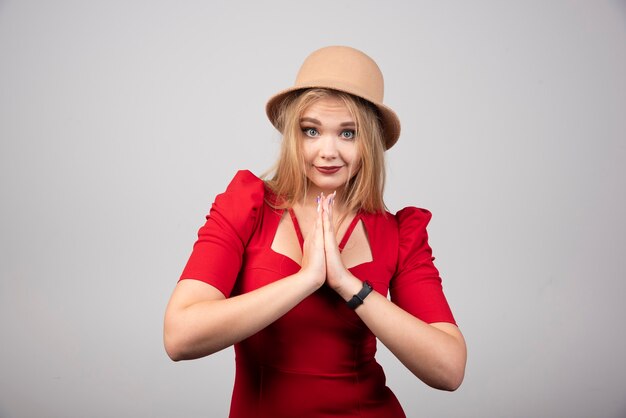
<point>435,353</point>
<point>206,327</point>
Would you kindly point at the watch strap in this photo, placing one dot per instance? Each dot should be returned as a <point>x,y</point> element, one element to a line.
<point>358,299</point>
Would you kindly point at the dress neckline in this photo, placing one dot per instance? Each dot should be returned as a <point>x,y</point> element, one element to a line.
<point>344,239</point>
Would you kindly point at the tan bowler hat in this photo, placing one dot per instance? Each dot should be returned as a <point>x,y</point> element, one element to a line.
<point>345,69</point>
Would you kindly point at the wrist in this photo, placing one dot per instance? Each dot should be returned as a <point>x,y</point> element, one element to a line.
<point>314,280</point>
<point>350,286</point>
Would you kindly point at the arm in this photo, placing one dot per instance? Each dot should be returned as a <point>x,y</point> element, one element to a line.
<point>435,353</point>
<point>200,320</point>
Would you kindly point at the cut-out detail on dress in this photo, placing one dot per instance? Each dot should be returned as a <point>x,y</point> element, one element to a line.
<point>354,246</point>
<point>357,249</point>
<point>286,241</point>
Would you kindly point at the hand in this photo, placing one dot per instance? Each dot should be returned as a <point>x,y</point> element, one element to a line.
<point>337,276</point>
<point>313,255</point>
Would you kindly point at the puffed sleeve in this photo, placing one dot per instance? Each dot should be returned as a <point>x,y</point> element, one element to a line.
<point>217,254</point>
<point>416,286</point>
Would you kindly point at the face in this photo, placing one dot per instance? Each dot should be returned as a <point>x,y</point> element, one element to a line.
<point>329,146</point>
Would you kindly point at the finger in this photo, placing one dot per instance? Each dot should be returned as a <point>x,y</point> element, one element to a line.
<point>327,222</point>
<point>319,221</point>
<point>312,235</point>
<point>329,229</point>
<point>318,199</point>
<point>331,205</point>
<point>327,207</point>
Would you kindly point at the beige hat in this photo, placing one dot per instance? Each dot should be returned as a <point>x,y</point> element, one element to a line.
<point>345,69</point>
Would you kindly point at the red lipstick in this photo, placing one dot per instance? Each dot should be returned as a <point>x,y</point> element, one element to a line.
<point>328,169</point>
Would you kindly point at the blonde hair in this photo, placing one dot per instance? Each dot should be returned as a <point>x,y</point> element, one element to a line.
<point>364,190</point>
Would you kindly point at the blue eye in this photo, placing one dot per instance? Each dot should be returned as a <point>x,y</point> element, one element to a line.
<point>348,134</point>
<point>311,132</point>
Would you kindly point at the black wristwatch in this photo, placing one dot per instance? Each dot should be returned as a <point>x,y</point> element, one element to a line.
<point>357,299</point>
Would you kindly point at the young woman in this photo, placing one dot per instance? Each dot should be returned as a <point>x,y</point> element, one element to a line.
<point>294,271</point>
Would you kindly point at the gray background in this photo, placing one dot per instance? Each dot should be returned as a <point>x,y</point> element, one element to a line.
<point>121,120</point>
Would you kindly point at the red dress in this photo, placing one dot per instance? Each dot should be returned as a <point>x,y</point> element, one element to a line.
<point>318,359</point>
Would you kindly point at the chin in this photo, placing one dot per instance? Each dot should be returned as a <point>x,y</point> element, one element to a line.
<point>331,183</point>
<point>328,183</point>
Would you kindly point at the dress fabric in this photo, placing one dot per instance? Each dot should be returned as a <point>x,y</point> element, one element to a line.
<point>318,359</point>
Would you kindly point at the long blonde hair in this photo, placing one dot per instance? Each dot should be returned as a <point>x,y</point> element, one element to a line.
<point>364,190</point>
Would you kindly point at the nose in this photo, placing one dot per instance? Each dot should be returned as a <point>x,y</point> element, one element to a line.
<point>328,147</point>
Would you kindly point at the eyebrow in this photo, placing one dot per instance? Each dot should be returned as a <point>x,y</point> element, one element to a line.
<point>317,122</point>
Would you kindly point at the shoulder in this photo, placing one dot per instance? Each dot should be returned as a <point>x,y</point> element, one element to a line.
<point>245,190</point>
<point>241,202</point>
<point>412,223</point>
<point>411,218</point>
<point>413,236</point>
<point>404,234</point>
<point>244,181</point>
<point>406,219</point>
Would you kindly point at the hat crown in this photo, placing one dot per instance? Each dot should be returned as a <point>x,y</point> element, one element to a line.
<point>345,69</point>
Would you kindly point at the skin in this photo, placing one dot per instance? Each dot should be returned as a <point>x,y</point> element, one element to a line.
<point>199,320</point>
<point>329,140</point>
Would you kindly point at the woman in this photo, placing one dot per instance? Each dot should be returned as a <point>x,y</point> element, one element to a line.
<point>294,271</point>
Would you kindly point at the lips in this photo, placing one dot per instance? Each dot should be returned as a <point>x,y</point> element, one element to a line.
<point>328,169</point>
